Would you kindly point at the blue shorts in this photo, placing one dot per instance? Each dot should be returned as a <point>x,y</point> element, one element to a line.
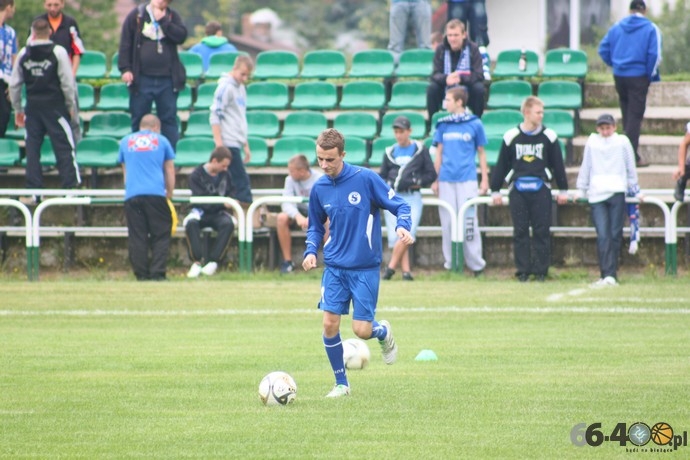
<point>339,287</point>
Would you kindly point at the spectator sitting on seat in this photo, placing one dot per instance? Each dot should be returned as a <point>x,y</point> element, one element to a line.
<point>210,179</point>
<point>406,167</point>
<point>214,42</point>
<point>457,62</point>
<point>298,182</point>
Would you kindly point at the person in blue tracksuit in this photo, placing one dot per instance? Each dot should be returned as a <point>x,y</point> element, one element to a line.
<point>632,47</point>
<point>350,198</point>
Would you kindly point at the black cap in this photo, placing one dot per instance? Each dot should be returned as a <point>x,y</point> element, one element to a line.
<point>606,119</point>
<point>638,5</point>
<point>401,122</point>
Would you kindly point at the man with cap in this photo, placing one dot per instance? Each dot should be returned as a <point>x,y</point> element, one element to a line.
<point>606,175</point>
<point>632,47</point>
<point>407,167</point>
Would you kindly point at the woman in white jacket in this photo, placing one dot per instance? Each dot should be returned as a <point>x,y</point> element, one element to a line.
<point>607,173</point>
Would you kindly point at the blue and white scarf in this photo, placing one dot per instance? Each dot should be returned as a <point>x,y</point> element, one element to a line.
<point>463,65</point>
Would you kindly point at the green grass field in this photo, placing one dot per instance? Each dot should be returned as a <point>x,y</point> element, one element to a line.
<point>118,369</point>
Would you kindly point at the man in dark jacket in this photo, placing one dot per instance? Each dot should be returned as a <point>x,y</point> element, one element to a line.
<point>210,179</point>
<point>407,167</point>
<point>150,64</point>
<point>529,159</point>
<point>457,62</point>
<point>44,68</point>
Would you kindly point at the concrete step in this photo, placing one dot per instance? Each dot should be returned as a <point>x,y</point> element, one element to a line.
<point>657,150</point>
<point>662,120</point>
<point>651,177</point>
<point>662,94</point>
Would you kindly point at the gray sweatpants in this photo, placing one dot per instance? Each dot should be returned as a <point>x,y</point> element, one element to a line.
<point>456,193</point>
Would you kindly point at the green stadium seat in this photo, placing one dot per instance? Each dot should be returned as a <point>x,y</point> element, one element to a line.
<point>93,64</point>
<point>221,63</point>
<point>507,64</point>
<point>114,71</point>
<point>304,123</point>
<point>259,150</point>
<point>276,64</point>
<point>204,95</point>
<point>86,97</point>
<point>287,147</point>
<point>417,123</point>
<point>263,123</point>
<point>358,124</point>
<point>492,149</point>
<point>98,152</point>
<point>356,150</point>
<point>408,95</point>
<point>508,94</point>
<point>434,119</point>
<point>363,95</point>
<point>114,96</point>
<point>110,124</point>
<point>198,124</point>
<point>193,151</point>
<point>315,95</point>
<point>378,148</point>
<point>415,63</point>
<point>184,98</point>
<point>375,63</point>
<point>565,63</point>
<point>323,64</point>
<point>9,152</point>
<point>267,95</point>
<point>560,94</point>
<point>193,64</point>
<point>560,121</point>
<point>497,122</point>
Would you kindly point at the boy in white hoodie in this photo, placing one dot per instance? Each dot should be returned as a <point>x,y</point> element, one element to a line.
<point>606,174</point>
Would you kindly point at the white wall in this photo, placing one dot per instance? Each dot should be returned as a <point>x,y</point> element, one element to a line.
<point>515,25</point>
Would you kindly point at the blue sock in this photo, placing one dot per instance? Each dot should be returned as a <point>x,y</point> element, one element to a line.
<point>378,331</point>
<point>334,351</point>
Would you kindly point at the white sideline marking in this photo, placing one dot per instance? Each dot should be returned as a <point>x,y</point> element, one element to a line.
<point>267,312</point>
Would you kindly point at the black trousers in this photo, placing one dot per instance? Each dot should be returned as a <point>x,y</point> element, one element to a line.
<point>55,123</point>
<point>532,255</point>
<point>632,96</point>
<point>149,223</point>
<point>435,94</point>
<point>5,108</point>
<point>221,223</point>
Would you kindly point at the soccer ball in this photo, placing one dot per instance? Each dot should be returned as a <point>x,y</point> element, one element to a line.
<point>277,389</point>
<point>355,354</point>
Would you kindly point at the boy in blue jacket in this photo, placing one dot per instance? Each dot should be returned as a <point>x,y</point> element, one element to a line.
<point>350,198</point>
<point>632,47</point>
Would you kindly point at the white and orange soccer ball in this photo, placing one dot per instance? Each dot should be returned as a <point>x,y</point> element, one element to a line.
<point>277,389</point>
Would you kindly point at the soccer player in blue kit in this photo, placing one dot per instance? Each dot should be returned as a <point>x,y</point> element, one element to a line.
<point>350,198</point>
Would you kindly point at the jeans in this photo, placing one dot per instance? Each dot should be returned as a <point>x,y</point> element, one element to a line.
<point>159,90</point>
<point>401,14</point>
<point>414,199</point>
<point>239,176</point>
<point>474,12</point>
<point>608,217</point>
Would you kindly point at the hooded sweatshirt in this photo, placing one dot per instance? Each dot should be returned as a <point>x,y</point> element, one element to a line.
<point>229,110</point>
<point>632,47</point>
<point>211,45</point>
<point>352,202</point>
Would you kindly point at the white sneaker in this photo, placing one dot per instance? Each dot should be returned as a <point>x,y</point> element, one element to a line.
<point>389,349</point>
<point>339,391</point>
<point>610,281</point>
<point>194,271</point>
<point>209,269</point>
